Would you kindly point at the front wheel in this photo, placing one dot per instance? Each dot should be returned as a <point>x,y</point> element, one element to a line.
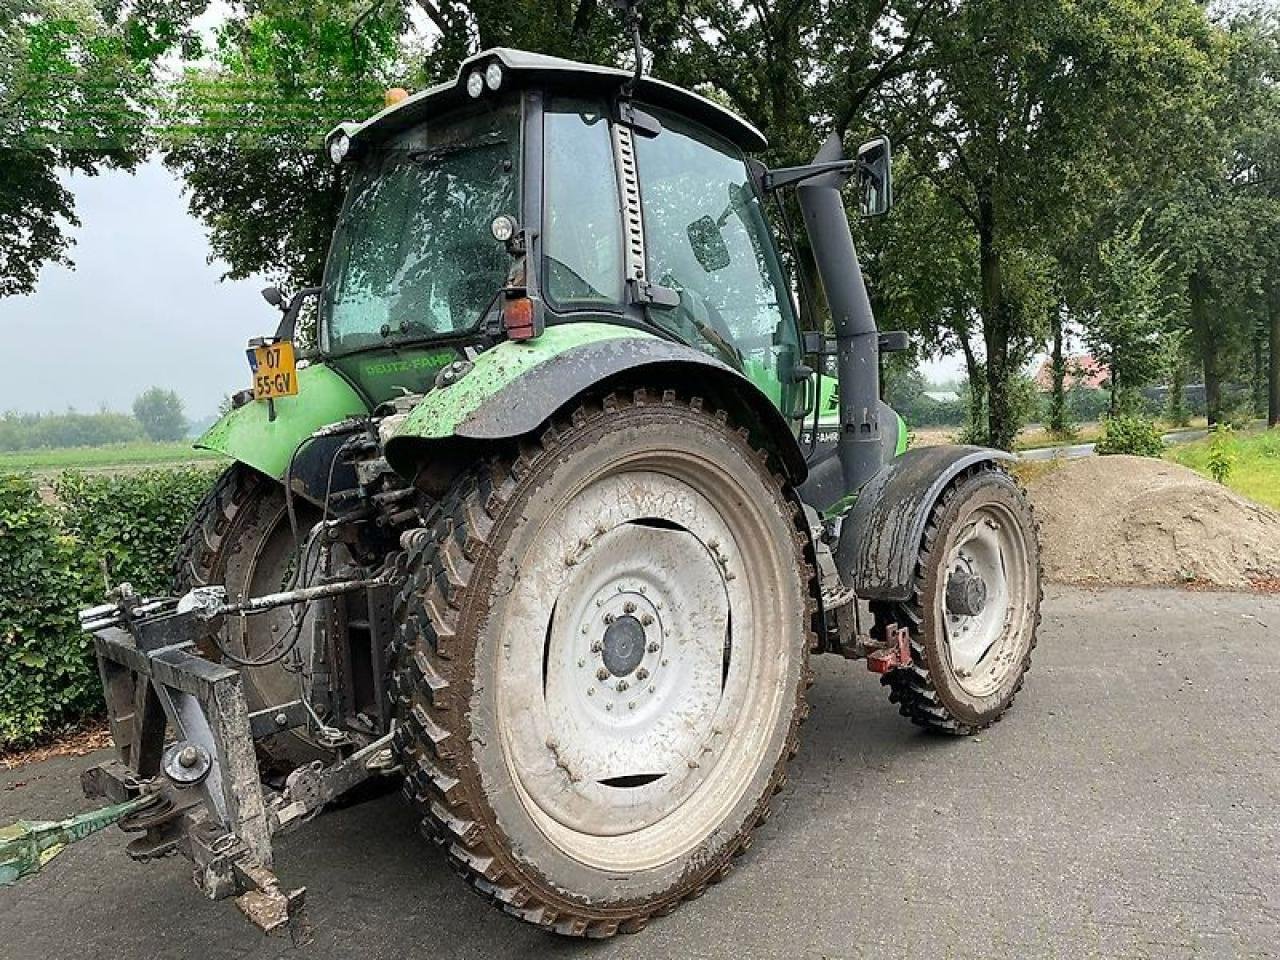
<point>974,609</point>
<point>603,663</point>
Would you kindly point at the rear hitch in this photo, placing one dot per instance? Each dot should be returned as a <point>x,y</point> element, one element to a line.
<point>185,778</point>
<point>895,655</point>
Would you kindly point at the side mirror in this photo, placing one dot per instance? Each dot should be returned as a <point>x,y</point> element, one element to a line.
<point>708,244</point>
<point>875,177</point>
<point>274,297</point>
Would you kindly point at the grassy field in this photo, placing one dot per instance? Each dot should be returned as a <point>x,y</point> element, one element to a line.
<point>1256,474</point>
<point>124,456</point>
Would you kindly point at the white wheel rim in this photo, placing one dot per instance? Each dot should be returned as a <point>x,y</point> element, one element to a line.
<point>628,758</point>
<point>986,645</point>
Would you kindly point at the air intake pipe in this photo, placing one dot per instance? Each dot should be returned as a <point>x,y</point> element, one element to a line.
<point>857,340</point>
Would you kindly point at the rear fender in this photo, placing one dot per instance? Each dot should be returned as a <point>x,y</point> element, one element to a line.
<point>881,536</point>
<point>516,386</point>
<point>249,434</point>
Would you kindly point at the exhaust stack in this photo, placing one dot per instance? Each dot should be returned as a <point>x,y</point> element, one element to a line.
<point>857,339</point>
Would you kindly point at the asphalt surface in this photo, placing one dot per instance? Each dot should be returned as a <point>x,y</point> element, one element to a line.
<point>1076,450</point>
<point>1128,806</point>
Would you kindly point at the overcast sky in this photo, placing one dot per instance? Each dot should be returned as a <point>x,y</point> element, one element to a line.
<point>142,307</point>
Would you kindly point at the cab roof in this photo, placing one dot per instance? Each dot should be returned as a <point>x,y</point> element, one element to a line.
<point>522,68</point>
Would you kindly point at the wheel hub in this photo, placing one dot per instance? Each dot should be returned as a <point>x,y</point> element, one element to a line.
<point>966,594</point>
<point>624,646</point>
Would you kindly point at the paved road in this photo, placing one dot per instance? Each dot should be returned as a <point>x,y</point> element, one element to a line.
<point>1128,807</point>
<point>1076,450</point>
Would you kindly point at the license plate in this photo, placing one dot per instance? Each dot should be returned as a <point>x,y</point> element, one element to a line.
<point>275,373</point>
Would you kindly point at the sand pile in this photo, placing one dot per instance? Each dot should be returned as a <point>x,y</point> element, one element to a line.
<point>1137,520</point>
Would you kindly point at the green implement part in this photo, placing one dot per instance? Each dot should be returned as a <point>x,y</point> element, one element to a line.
<point>26,846</point>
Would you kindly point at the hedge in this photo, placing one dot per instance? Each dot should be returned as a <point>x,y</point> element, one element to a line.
<point>51,566</point>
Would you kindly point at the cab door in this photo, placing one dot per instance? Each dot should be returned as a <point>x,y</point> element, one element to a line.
<point>707,239</point>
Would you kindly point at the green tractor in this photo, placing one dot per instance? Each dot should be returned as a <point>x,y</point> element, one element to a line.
<point>552,518</point>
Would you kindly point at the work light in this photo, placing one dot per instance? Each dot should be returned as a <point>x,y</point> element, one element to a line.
<point>475,84</point>
<point>338,147</point>
<point>493,75</point>
<point>503,228</point>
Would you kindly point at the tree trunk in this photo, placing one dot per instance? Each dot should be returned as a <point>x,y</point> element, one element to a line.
<point>1206,343</point>
<point>1258,380</point>
<point>974,371</point>
<point>1059,422</point>
<point>1002,426</point>
<point>1273,373</point>
<point>1176,406</point>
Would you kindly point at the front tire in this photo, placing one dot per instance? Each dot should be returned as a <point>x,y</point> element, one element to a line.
<point>603,662</point>
<point>974,610</point>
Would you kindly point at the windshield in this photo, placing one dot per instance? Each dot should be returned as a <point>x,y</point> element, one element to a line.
<point>412,256</point>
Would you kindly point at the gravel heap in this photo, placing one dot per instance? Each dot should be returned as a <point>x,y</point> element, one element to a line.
<point>1134,520</point>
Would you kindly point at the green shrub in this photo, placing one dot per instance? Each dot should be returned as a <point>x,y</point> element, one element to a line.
<point>45,662</point>
<point>1222,453</point>
<point>1131,435</point>
<point>37,431</point>
<point>132,522</point>
<point>51,558</point>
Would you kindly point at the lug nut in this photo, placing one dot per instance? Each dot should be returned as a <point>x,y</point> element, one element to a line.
<point>646,620</point>
<point>602,674</point>
<point>622,685</point>
<point>628,607</point>
<point>608,618</point>
<point>653,646</point>
<point>642,674</point>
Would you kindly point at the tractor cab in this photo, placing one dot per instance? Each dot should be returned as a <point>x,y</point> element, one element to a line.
<point>576,196</point>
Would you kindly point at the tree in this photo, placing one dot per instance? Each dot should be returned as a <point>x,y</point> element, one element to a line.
<point>247,134</point>
<point>1220,217</point>
<point>75,84</point>
<point>160,413</point>
<point>1131,313</point>
<point>1027,109</point>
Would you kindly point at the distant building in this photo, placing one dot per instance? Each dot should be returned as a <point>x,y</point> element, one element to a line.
<point>1083,370</point>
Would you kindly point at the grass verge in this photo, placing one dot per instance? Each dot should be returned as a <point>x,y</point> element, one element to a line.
<point>1256,473</point>
<point>138,454</point>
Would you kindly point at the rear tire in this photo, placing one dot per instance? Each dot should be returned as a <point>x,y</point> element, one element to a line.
<point>240,537</point>
<point>587,768</point>
<point>967,668</point>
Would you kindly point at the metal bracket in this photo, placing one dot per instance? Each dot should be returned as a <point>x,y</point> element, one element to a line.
<point>204,703</point>
<point>896,655</point>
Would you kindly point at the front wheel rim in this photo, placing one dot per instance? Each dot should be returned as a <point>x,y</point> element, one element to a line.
<point>986,639</point>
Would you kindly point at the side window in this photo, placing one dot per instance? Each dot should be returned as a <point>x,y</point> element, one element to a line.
<point>707,237</point>
<point>582,232</point>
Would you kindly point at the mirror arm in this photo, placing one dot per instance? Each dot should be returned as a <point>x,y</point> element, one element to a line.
<point>789,176</point>
<point>289,322</point>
